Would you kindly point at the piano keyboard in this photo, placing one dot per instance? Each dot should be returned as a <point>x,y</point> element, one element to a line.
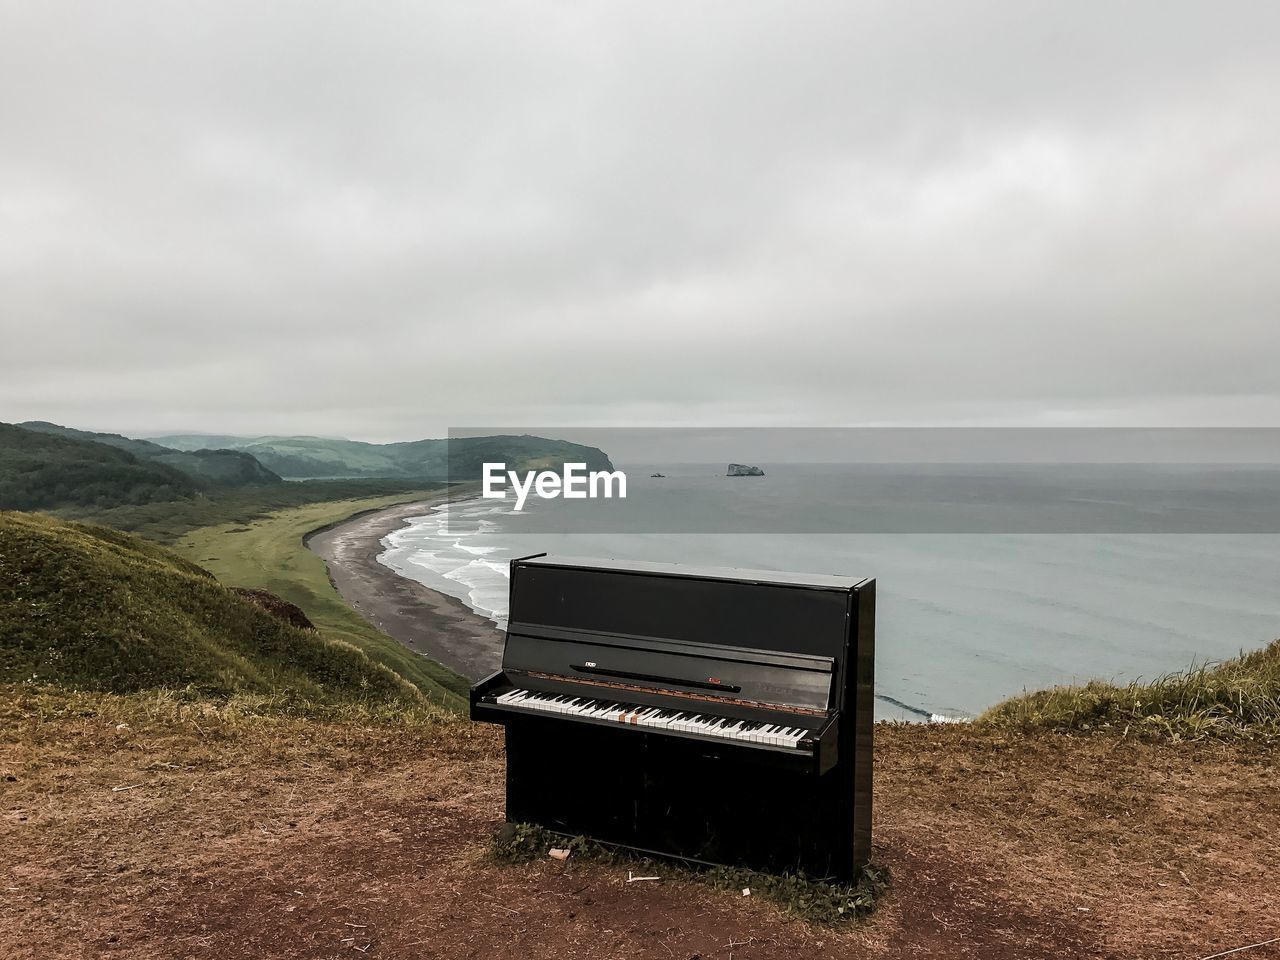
<point>744,731</point>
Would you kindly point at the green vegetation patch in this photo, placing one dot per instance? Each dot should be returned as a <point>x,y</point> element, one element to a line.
<point>1236,699</point>
<point>167,522</point>
<point>814,901</point>
<point>95,609</point>
<point>269,554</point>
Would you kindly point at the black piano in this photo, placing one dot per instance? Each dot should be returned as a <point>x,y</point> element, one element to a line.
<point>719,716</point>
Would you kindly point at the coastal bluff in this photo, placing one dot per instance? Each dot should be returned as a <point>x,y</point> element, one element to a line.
<point>743,470</point>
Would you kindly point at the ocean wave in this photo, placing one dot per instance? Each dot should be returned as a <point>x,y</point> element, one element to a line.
<point>894,701</point>
<point>486,585</point>
<point>452,549</point>
<point>929,716</point>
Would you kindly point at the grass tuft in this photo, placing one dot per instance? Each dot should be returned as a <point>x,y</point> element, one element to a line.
<point>1238,699</point>
<point>814,901</point>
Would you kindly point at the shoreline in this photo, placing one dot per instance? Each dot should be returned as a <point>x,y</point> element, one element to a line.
<point>428,622</point>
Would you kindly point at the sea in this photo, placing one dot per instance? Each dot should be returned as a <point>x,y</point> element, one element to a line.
<point>989,582</point>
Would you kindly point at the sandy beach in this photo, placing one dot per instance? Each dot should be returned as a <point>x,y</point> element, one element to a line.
<point>436,625</point>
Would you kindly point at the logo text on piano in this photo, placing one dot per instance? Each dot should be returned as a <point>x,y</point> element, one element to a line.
<point>575,484</point>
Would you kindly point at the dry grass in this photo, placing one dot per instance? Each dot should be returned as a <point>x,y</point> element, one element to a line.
<point>237,833</point>
<point>1164,850</point>
<point>1238,699</point>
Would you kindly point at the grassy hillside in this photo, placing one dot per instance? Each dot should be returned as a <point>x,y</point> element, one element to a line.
<point>167,522</point>
<point>457,459</point>
<point>208,469</point>
<point>40,471</point>
<point>1239,698</point>
<point>90,608</point>
<point>268,553</point>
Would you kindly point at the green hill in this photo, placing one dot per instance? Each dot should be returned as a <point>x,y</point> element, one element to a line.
<point>207,468</point>
<point>453,459</point>
<point>91,608</point>
<point>42,471</point>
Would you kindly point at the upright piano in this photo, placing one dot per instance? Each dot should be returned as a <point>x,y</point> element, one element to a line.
<point>715,715</point>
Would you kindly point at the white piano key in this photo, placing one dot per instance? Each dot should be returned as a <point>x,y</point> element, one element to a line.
<point>656,718</point>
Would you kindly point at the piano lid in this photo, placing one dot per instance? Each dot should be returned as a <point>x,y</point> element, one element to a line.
<point>720,607</point>
<point>815,581</point>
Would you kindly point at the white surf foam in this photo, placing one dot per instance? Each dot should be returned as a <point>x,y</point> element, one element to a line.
<point>452,549</point>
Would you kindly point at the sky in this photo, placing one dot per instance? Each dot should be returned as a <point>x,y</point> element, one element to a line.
<point>383,220</point>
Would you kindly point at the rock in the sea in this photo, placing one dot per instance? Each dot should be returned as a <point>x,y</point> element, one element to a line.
<point>742,470</point>
<point>657,474</point>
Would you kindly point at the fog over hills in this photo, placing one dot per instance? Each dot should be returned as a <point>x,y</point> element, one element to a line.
<point>458,458</point>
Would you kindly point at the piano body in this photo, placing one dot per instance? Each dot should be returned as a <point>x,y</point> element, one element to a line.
<point>715,715</point>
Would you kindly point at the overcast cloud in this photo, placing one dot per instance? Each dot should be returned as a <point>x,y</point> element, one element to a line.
<point>380,220</point>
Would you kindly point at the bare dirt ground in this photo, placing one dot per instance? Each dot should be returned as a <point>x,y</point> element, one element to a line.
<point>210,836</point>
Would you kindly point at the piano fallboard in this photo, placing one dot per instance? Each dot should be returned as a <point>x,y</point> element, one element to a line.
<point>746,678</point>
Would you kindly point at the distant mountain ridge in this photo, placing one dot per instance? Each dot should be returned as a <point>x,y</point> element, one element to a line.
<point>45,466</point>
<point>459,458</point>
<point>47,471</point>
<point>207,468</point>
